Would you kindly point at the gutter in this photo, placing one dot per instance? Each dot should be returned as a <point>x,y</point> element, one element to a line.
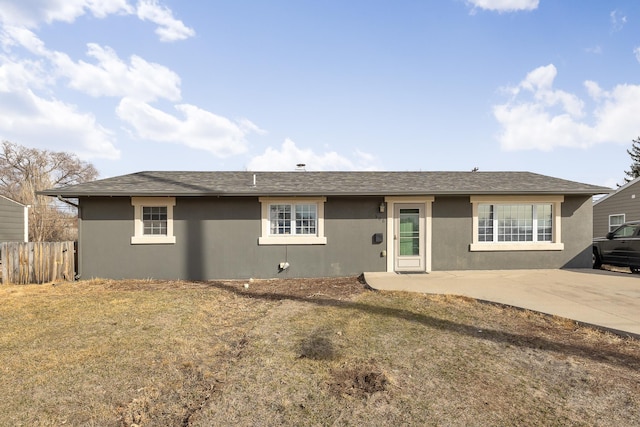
<point>67,201</point>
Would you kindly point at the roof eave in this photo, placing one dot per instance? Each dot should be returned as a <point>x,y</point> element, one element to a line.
<point>311,194</point>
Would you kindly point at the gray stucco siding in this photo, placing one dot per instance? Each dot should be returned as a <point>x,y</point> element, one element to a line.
<point>452,234</point>
<point>577,220</point>
<point>218,238</point>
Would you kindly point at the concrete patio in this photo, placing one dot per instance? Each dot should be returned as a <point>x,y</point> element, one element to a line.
<point>604,299</point>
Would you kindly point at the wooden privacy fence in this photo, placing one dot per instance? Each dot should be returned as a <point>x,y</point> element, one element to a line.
<point>37,262</point>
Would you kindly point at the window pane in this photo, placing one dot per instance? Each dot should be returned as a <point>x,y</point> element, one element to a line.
<point>485,223</point>
<point>544,215</point>
<point>280,219</point>
<point>154,220</point>
<point>306,218</point>
<point>515,223</point>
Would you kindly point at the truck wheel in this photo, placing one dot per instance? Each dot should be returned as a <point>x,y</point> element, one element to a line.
<point>596,261</point>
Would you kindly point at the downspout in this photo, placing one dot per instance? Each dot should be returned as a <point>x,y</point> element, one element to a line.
<point>77,206</point>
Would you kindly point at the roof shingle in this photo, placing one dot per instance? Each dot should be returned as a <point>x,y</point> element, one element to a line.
<point>303,183</point>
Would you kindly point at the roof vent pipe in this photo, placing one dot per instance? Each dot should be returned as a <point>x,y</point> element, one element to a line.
<point>254,179</point>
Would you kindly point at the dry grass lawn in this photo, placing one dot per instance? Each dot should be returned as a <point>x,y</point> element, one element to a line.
<point>299,352</point>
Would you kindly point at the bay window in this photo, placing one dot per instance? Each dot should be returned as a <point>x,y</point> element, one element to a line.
<point>516,223</point>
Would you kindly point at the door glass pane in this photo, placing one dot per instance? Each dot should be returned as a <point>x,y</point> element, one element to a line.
<point>409,232</point>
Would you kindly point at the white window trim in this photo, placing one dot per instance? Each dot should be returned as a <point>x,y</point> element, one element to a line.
<point>624,217</point>
<point>292,239</point>
<point>139,238</point>
<point>555,245</point>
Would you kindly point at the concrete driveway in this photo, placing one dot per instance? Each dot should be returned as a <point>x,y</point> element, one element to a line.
<point>607,300</point>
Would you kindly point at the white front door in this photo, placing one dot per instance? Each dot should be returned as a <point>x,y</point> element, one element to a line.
<point>409,237</point>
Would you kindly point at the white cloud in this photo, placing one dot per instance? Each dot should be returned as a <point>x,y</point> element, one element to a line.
<point>289,155</point>
<point>28,119</point>
<point>618,21</point>
<point>504,5</point>
<point>540,83</point>
<point>616,117</point>
<point>594,90</point>
<point>31,114</point>
<point>20,75</point>
<point>21,36</point>
<point>31,119</point>
<point>169,29</point>
<point>113,77</point>
<point>199,129</point>
<point>137,82</point>
<point>30,14</point>
<point>540,117</point>
<point>636,52</point>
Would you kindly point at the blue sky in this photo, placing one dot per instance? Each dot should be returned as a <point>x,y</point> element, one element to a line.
<point>548,86</point>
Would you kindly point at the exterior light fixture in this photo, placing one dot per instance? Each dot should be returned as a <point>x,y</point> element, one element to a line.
<point>381,207</point>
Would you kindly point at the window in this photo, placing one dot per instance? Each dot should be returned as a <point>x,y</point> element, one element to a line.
<point>516,223</point>
<point>153,220</point>
<point>292,221</point>
<point>302,221</point>
<point>615,221</point>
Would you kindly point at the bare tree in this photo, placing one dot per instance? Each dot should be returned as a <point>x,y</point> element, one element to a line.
<point>24,171</point>
<point>634,153</point>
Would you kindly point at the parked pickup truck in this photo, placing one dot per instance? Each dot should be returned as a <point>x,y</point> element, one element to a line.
<point>620,247</point>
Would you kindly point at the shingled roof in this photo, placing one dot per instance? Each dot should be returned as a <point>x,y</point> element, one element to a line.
<point>303,183</point>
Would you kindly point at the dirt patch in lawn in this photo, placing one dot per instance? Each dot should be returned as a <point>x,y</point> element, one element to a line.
<point>358,379</point>
<point>299,352</point>
<point>329,288</point>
